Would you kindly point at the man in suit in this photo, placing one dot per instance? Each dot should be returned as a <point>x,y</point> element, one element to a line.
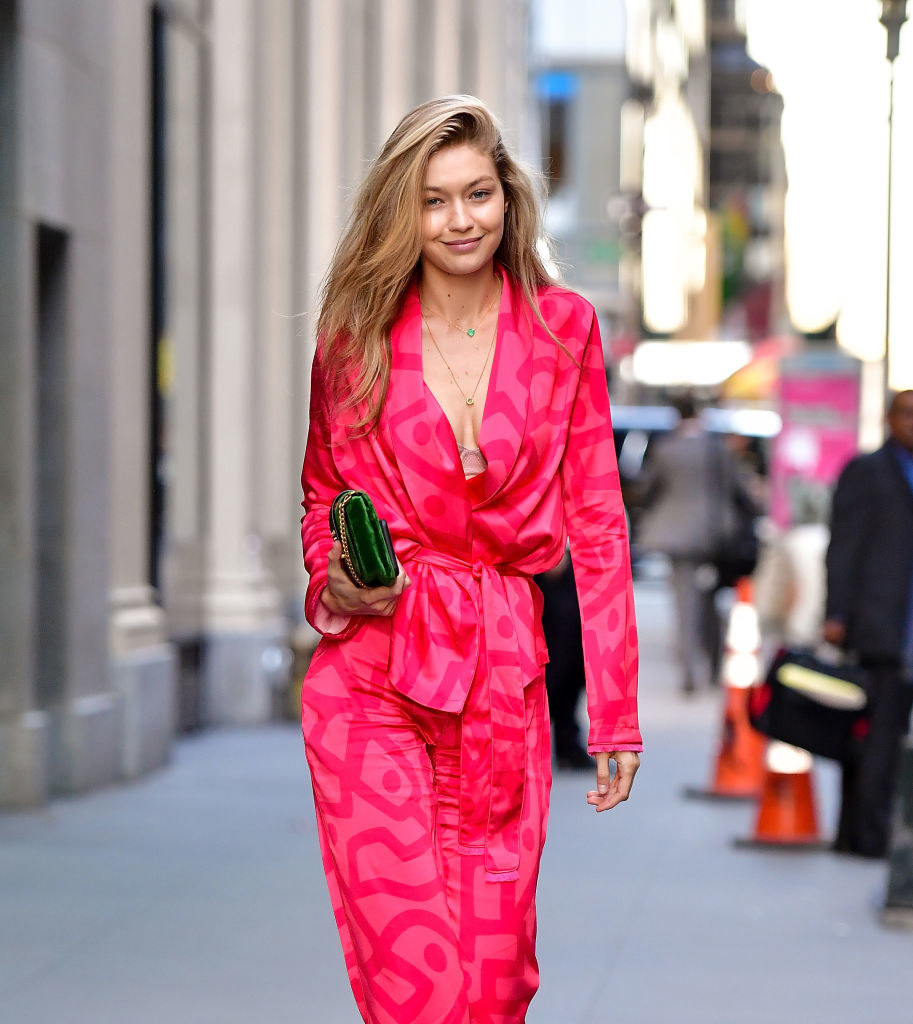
<point>691,493</point>
<point>870,613</point>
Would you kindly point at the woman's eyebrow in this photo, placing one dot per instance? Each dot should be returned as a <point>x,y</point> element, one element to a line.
<point>471,185</point>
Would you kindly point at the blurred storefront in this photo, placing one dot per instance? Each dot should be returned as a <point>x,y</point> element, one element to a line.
<point>173,177</point>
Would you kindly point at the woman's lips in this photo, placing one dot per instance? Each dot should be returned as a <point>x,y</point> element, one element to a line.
<point>463,244</point>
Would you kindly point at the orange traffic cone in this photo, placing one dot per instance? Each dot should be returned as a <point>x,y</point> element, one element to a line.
<point>787,817</point>
<point>739,768</point>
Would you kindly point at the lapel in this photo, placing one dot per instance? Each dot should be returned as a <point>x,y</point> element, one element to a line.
<point>422,437</point>
<point>897,474</point>
<point>507,402</point>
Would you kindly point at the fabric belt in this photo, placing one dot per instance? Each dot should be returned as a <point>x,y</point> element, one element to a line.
<point>493,720</point>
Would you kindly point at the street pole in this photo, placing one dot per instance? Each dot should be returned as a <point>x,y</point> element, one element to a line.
<point>893,16</point>
<point>887,291</point>
<point>898,905</point>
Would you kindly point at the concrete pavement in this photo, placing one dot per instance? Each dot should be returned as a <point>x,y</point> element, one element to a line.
<point>196,896</point>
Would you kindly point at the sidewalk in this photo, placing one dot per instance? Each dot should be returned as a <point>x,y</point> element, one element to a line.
<point>197,897</point>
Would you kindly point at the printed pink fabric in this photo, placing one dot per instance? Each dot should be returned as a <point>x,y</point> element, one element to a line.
<point>427,938</point>
<point>466,637</point>
<point>547,437</point>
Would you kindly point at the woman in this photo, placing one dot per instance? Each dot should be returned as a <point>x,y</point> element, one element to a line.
<point>467,395</point>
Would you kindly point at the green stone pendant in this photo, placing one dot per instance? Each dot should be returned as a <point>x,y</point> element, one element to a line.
<point>471,332</point>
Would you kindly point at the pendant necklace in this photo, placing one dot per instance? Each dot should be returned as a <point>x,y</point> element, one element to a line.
<point>470,399</point>
<point>471,331</point>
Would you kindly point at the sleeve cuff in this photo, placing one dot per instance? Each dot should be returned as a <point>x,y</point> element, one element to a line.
<point>601,748</point>
<point>326,623</point>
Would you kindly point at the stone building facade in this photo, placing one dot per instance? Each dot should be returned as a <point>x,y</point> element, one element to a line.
<point>173,177</point>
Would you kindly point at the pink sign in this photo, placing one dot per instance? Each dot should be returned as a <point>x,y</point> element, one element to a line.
<point>819,406</point>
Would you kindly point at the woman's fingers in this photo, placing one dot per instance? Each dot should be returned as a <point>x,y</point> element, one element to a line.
<point>382,600</point>
<point>353,600</point>
<point>401,582</point>
<point>615,789</point>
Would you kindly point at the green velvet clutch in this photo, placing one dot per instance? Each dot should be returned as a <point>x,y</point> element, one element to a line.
<point>367,550</point>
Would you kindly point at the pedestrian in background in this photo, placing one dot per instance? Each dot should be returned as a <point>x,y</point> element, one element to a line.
<point>467,394</point>
<point>693,497</point>
<point>870,613</point>
<point>790,584</point>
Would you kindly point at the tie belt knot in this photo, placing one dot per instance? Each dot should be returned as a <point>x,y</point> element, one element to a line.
<point>493,723</point>
<point>476,568</point>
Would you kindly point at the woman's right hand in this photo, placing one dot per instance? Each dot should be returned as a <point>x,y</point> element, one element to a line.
<point>342,597</point>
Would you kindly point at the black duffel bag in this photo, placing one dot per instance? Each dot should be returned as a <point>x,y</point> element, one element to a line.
<point>811,703</point>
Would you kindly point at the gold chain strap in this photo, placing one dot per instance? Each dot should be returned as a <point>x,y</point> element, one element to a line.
<point>344,541</point>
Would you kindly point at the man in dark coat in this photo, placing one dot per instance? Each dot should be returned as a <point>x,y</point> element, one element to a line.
<point>870,613</point>
<point>564,673</point>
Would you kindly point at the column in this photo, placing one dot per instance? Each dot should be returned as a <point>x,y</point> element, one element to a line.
<point>23,728</point>
<point>488,42</point>
<point>185,314</point>
<point>142,662</point>
<point>322,176</point>
<point>63,182</point>
<point>398,56</point>
<point>445,51</point>
<point>241,606</point>
<point>279,308</point>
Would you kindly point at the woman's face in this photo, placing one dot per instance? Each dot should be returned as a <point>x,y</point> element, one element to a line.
<point>462,211</point>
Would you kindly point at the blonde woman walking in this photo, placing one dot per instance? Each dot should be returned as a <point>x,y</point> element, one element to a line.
<point>466,393</point>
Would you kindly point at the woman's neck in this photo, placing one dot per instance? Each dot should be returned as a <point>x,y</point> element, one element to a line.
<point>458,297</point>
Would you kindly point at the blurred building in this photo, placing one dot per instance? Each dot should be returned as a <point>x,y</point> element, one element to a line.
<point>746,180</point>
<point>667,129</point>
<point>581,85</point>
<point>704,120</point>
<point>173,177</point>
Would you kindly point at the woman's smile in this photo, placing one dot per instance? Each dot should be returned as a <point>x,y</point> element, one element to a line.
<point>464,244</point>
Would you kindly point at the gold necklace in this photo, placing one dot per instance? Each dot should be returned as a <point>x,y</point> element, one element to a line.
<point>471,331</point>
<point>470,399</point>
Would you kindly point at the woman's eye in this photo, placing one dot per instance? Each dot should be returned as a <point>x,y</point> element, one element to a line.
<point>481,193</point>
<point>432,201</point>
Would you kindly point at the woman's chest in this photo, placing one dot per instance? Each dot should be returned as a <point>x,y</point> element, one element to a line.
<point>457,380</point>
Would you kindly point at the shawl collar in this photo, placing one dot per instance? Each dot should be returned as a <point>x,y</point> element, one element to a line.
<point>422,438</point>
<point>507,402</point>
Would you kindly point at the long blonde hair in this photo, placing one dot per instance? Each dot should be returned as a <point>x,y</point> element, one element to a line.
<point>380,247</point>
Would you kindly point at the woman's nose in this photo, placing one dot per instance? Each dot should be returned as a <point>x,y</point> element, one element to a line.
<point>460,218</point>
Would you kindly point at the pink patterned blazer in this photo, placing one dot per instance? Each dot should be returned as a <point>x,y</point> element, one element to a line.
<point>471,547</point>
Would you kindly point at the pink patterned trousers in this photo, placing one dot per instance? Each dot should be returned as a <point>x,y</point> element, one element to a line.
<point>427,938</point>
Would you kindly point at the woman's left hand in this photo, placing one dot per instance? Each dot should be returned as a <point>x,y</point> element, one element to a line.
<point>613,789</point>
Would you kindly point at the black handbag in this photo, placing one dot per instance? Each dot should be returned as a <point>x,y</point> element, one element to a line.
<point>737,555</point>
<point>736,551</point>
<point>811,703</point>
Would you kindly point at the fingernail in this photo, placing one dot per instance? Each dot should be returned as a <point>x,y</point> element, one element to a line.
<point>603,789</point>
